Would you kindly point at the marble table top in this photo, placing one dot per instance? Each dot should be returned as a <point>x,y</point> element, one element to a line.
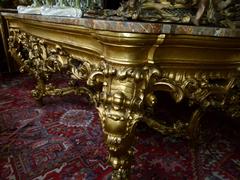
<point>133,26</point>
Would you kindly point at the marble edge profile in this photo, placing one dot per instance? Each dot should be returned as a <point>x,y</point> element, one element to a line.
<point>133,27</point>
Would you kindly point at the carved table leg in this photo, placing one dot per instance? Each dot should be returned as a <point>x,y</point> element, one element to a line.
<point>118,117</point>
<point>119,137</point>
<point>120,108</point>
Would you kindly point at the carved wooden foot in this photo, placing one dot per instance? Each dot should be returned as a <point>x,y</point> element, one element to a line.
<point>120,149</point>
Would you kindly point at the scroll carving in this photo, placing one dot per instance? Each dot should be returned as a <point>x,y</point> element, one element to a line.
<point>120,108</point>
<point>203,88</point>
<point>125,94</point>
<point>231,102</point>
<point>207,90</point>
<point>41,59</point>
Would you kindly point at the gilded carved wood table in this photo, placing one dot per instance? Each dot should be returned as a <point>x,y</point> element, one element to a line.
<point>121,65</point>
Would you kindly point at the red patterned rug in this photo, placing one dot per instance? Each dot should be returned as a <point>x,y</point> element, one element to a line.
<point>39,142</point>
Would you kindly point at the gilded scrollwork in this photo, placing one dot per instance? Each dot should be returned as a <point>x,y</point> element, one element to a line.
<point>124,94</point>
<point>127,91</point>
<point>34,53</point>
<point>231,102</point>
<point>205,90</point>
<point>41,59</point>
<point>121,107</point>
<point>178,128</point>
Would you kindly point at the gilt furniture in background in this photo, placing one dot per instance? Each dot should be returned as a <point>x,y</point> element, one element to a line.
<point>123,64</point>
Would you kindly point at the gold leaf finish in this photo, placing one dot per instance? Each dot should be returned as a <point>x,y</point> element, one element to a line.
<point>121,72</point>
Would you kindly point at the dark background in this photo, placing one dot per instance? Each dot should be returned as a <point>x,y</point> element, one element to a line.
<point>112,4</point>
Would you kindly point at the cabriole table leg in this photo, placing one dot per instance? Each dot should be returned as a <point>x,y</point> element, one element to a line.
<point>120,105</point>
